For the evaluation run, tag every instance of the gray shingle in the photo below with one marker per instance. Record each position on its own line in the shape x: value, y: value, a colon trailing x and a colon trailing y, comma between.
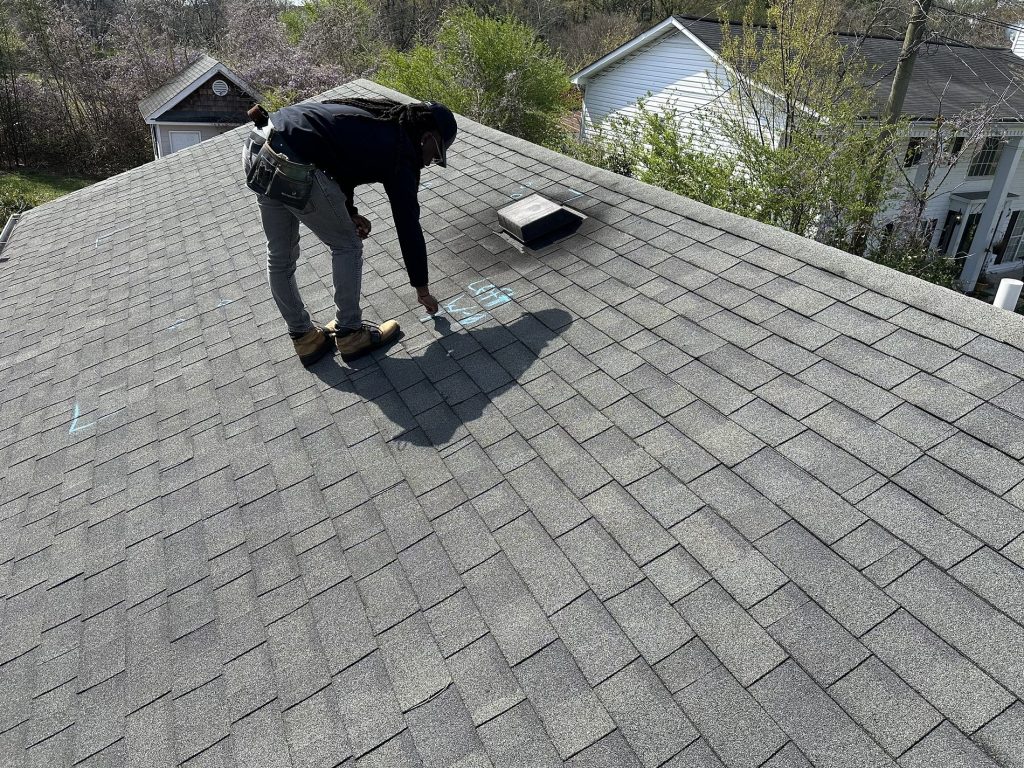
x: 767, y: 422
x: 742, y: 645
x: 865, y: 545
x: 550, y: 576
x: 826, y: 461
x: 983, y: 634
x: 645, y: 713
x: 675, y: 574
x: 853, y: 322
x: 599, y: 559
x: 822, y: 730
x: 986, y: 466
x: 654, y: 626
x: 734, y: 724
x: 629, y: 524
x: 857, y: 393
x: 1003, y: 737
x: 995, y: 578
x: 997, y: 427
x: 938, y: 397
x: 946, y: 747
x: 920, y: 428
x: 778, y: 604
x: 665, y: 497
x: 867, y: 362
x: 735, y: 564
x: 455, y: 622
x: 570, y: 711
x: 677, y: 453
x: 517, y: 738
x: 466, y: 539
x: 686, y: 665
x: 850, y: 598
x: 573, y: 465
x: 444, y: 733
x: 744, y: 508
x: 594, y: 639
x: 610, y: 752
x: 819, y: 644
x: 971, y: 507
x: 510, y: 611
x: 413, y: 661
x: 919, y: 525
x: 712, y: 387
x: 484, y: 680
x: 976, y: 377
x: 719, y: 435
x: 933, y: 327
x: 874, y: 445
x: 893, y: 713
x: 371, y: 711
x: 810, y: 502
x: 553, y: 504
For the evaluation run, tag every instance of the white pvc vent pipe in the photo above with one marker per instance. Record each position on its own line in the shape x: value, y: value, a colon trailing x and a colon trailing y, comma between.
x: 1008, y: 294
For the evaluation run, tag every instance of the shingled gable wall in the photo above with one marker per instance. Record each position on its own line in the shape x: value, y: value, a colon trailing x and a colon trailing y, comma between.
x: 204, y: 106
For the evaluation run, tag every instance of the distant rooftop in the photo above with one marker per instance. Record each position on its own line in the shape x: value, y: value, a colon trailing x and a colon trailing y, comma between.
x: 679, y: 490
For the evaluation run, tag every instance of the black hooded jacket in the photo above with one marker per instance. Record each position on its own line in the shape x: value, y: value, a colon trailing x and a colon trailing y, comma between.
x: 353, y: 148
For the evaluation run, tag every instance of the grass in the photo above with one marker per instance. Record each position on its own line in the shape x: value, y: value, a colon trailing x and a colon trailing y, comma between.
x: 21, y: 191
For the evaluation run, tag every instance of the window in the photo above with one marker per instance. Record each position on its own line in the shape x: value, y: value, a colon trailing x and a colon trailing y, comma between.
x: 915, y: 149
x: 958, y: 147
x: 1014, y: 247
x: 986, y: 158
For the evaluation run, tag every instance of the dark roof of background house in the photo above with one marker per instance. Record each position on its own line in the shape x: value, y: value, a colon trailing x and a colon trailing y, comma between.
x: 702, y: 493
x: 177, y: 84
x: 948, y: 78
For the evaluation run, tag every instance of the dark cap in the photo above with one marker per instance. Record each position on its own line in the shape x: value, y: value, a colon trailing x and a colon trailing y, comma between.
x: 446, y: 126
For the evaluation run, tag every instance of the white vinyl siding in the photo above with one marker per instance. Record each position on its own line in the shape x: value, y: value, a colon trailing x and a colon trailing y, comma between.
x: 673, y: 69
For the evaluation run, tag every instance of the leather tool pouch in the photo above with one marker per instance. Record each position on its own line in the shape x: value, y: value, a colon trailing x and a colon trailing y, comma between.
x: 275, y: 176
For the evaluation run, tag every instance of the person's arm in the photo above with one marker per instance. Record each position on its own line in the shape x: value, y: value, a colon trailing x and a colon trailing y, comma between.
x: 402, y: 191
x: 350, y: 198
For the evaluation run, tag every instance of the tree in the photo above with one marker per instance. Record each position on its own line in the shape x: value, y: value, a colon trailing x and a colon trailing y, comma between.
x: 495, y: 71
x: 795, y: 115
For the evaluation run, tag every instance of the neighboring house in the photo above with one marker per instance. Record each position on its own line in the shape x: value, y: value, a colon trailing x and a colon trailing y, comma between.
x: 975, y: 213
x: 701, y: 493
x: 204, y: 100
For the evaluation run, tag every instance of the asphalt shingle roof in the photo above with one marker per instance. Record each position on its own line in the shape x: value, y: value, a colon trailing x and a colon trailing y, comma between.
x: 176, y: 84
x: 680, y: 490
x: 948, y: 78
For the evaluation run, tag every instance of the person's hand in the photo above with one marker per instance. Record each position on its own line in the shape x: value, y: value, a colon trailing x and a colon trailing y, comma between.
x: 363, y: 226
x: 423, y: 297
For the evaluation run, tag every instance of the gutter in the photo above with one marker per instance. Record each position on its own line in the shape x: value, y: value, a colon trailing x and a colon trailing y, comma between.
x: 6, y: 234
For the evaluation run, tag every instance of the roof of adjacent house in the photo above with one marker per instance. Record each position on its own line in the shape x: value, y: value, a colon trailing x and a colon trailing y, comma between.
x: 180, y: 82
x: 678, y: 490
x: 948, y: 77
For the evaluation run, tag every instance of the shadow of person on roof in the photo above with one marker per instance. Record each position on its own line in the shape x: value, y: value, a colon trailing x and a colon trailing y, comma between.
x: 450, y: 382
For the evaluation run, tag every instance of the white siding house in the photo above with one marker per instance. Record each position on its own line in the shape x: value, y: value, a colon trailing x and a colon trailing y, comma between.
x: 976, y: 213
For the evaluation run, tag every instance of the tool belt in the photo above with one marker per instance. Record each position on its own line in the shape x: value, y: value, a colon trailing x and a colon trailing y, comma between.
x: 274, y: 175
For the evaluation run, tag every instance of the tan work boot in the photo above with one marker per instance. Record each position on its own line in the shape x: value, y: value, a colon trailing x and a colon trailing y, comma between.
x: 353, y: 343
x: 311, y: 346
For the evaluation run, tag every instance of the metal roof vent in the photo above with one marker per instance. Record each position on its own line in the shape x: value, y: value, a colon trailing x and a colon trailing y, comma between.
x: 535, y: 217
x: 220, y: 88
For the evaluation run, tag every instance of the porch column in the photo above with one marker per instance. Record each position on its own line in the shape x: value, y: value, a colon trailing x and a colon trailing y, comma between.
x: 1005, y: 171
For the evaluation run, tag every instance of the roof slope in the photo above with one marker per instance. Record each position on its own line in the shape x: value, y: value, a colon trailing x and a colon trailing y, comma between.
x: 176, y: 84
x: 700, y: 493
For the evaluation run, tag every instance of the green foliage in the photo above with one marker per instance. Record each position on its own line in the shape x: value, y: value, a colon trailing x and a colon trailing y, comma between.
x: 493, y: 70
x: 655, y: 147
x: 22, y: 191
x: 920, y: 262
x: 794, y: 114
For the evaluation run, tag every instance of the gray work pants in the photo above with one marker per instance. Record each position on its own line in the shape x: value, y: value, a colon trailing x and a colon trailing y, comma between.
x: 327, y: 217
